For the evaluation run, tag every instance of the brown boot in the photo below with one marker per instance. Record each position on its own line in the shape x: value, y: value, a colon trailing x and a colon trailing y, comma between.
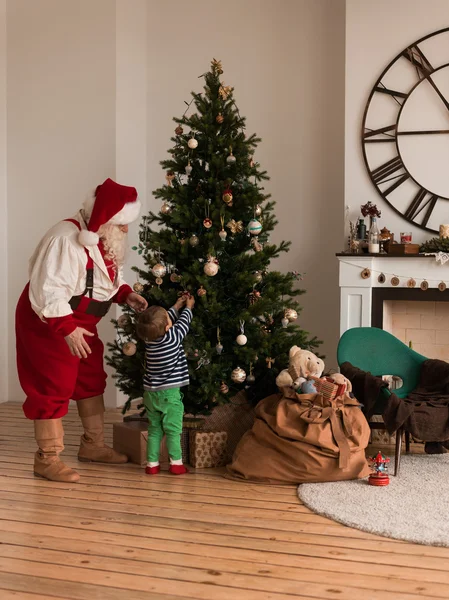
x: 93, y: 448
x: 49, y: 435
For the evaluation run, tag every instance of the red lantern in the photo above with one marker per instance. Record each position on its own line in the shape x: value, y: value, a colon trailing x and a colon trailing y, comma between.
x: 379, y: 476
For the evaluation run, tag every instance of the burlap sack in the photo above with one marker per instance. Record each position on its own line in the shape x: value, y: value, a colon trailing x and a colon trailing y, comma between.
x: 300, y: 438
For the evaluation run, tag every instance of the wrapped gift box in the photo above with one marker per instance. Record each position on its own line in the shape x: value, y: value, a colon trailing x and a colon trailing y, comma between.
x: 208, y: 449
x: 328, y: 388
x: 130, y: 438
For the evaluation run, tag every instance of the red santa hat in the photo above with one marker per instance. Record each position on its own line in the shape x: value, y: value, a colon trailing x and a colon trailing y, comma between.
x: 112, y: 204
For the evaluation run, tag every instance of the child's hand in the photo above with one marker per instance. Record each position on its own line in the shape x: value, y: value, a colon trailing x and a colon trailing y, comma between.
x: 190, y: 302
x: 180, y: 302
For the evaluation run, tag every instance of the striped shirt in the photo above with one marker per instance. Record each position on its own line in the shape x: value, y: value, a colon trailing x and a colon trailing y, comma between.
x: 165, y: 359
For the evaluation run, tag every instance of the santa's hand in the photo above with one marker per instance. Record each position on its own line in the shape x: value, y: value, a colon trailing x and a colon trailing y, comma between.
x: 136, y: 302
x: 77, y: 344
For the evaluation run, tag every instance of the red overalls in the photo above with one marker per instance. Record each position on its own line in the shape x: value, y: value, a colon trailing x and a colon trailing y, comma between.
x: 49, y: 374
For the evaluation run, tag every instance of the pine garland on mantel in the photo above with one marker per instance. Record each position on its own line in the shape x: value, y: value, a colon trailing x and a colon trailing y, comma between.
x: 435, y: 244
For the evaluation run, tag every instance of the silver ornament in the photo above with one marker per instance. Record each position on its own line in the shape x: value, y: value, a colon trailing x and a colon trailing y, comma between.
x: 219, y: 348
x: 291, y: 314
x: 238, y: 375
x: 123, y: 321
x: 189, y: 169
x: 250, y: 379
x: 257, y: 276
x: 231, y: 160
x: 159, y: 270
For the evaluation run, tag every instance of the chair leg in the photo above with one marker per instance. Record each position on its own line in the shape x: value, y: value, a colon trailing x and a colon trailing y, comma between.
x: 407, y: 441
x: 397, y: 455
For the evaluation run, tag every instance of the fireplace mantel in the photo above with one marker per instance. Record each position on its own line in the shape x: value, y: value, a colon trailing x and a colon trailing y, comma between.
x: 358, y: 295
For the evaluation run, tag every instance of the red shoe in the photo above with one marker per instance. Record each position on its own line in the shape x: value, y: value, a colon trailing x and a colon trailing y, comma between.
x: 178, y: 469
x: 153, y: 470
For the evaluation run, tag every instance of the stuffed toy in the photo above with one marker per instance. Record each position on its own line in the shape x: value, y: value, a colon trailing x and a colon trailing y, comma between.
x: 340, y: 379
x: 302, y: 365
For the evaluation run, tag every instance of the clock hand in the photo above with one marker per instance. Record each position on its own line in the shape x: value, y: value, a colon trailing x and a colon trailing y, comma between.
x: 423, y: 132
x: 432, y: 83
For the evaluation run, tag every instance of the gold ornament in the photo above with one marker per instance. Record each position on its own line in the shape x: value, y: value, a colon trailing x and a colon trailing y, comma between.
x: 442, y: 286
x: 257, y: 276
x: 254, y: 296
x: 424, y: 285
x: 201, y: 292
x: 159, y: 270
x: 258, y: 210
x: 159, y: 281
x: 381, y: 278
x: 211, y: 267
x: 216, y: 67
x: 238, y: 375
x: 194, y: 240
x: 290, y: 314
x: 219, y: 118
x: 224, y: 388
x: 225, y: 91
x: 179, y: 130
x: 365, y: 274
x: 269, y: 361
x: 166, y: 209
x: 251, y: 162
x: 235, y: 226
x: 395, y: 281
x: 129, y: 348
x: 256, y: 244
x: 175, y: 277
x: 138, y: 287
x: 411, y: 283
x: 228, y: 197
x: 123, y: 321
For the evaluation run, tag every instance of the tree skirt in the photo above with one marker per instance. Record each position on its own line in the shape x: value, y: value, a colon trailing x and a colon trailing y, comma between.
x: 414, y: 507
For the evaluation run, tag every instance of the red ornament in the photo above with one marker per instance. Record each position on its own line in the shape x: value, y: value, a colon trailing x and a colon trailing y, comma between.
x: 179, y: 130
x: 379, y: 476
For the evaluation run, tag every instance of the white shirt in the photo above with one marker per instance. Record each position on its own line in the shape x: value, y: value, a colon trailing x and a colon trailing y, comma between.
x: 57, y: 271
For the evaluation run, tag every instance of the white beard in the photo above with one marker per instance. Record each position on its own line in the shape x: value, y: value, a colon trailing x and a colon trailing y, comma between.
x: 114, y: 242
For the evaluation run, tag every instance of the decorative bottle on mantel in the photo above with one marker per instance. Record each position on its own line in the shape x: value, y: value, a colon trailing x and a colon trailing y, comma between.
x: 373, y: 238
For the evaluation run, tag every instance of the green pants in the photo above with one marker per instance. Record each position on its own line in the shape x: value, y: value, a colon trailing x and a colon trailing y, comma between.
x: 165, y: 412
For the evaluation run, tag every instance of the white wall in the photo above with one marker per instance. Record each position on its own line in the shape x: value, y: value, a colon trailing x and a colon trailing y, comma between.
x: 286, y: 62
x: 61, y: 122
x: 375, y: 33
x: 5, y: 346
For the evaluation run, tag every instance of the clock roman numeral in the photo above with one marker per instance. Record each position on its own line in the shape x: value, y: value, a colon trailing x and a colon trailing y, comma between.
x: 384, y: 134
x: 393, y: 93
x: 419, y: 61
x: 393, y: 169
x: 419, y: 203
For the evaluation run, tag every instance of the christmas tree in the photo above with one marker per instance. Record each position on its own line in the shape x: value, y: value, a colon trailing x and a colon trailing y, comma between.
x: 211, y: 239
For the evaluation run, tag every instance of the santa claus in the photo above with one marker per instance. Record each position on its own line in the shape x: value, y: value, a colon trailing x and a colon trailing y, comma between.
x: 75, y: 275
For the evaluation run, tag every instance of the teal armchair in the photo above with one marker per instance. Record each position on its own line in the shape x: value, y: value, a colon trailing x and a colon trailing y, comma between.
x: 380, y: 353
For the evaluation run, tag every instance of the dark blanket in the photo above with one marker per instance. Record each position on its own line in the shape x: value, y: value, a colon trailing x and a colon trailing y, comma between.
x: 424, y: 413
x: 366, y: 388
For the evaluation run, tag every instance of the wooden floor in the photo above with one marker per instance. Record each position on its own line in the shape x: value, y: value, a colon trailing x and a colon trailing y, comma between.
x: 121, y: 535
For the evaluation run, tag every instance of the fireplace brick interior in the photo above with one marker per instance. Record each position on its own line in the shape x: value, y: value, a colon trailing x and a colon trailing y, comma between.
x: 424, y: 323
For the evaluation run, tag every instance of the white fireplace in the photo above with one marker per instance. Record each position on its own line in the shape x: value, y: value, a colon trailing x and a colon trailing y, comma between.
x: 369, y: 298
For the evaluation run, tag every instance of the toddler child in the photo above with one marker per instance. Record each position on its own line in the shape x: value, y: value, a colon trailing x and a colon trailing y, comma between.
x: 165, y: 373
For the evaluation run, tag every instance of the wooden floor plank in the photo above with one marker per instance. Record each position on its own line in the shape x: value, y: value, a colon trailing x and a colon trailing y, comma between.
x: 120, y: 535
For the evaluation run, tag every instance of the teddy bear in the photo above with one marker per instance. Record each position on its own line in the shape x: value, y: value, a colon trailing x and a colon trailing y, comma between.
x: 302, y: 365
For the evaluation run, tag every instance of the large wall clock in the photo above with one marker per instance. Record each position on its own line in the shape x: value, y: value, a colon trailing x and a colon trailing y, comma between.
x: 405, y: 132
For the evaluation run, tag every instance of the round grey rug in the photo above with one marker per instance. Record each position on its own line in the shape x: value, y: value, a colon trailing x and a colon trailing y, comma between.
x: 414, y: 507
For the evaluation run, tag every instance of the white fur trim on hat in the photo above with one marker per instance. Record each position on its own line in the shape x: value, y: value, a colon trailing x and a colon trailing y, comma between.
x: 128, y: 214
x: 88, y: 238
